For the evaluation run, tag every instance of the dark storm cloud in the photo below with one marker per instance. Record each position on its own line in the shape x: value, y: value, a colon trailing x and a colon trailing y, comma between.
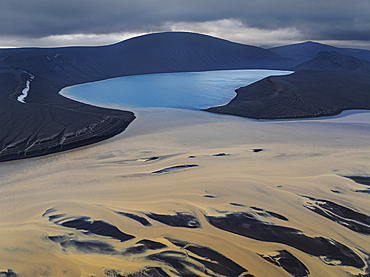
x: 313, y: 19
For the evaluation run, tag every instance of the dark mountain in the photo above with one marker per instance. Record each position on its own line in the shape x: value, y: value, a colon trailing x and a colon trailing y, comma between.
x: 325, y: 85
x: 305, y: 93
x: 363, y: 54
x: 305, y: 51
x: 48, y: 122
x: 153, y: 53
x: 334, y: 61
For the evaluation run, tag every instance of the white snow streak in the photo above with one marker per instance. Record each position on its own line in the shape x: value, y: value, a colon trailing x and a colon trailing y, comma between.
x: 21, y: 98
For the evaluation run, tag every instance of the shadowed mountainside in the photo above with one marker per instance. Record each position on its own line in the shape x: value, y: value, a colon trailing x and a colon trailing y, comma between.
x: 305, y: 51
x: 154, y: 53
x: 334, y: 61
x: 42, y: 121
x: 323, y: 86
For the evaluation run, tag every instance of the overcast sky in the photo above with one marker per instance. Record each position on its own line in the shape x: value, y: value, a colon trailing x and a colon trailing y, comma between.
x: 255, y: 22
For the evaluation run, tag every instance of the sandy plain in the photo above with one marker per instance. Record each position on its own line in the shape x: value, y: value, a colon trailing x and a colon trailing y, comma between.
x: 269, y: 171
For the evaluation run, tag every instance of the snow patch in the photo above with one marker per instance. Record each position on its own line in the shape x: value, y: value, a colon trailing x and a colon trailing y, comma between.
x: 21, y: 98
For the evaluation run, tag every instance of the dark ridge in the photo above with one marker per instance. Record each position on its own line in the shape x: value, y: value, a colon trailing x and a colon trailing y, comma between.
x: 148, y: 271
x: 262, y: 212
x: 144, y: 245
x: 178, y: 260
x: 97, y: 227
x: 9, y: 273
x: 152, y: 159
x: 334, y: 61
x: 174, y: 168
x: 178, y: 220
x: 219, y: 263
x: 247, y: 225
x: 209, y: 196
x: 288, y: 262
x: 276, y: 215
x: 191, y: 157
x: 48, y: 211
x: 210, y: 258
x: 138, y: 218
x: 189, y: 265
x: 335, y: 191
x: 344, y: 216
x: 303, y: 94
x: 238, y: 205
x: 363, y: 190
x: 221, y: 155
x: 112, y: 273
x: 53, y: 217
x: 360, y: 179
x: 99, y: 247
x: 257, y: 209
x: 305, y: 51
x: 134, y: 250
x: 178, y: 243
x: 153, y: 245
x: 209, y: 254
x: 256, y: 150
x: 91, y: 246
x: 58, y: 239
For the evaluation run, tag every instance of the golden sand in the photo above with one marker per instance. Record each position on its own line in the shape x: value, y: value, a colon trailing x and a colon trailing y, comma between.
x: 299, y: 158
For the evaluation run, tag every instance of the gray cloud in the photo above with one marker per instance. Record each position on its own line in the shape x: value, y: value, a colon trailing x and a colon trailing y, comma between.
x: 310, y: 19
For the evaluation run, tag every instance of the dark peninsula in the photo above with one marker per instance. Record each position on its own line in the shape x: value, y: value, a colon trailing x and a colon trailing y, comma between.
x: 324, y: 86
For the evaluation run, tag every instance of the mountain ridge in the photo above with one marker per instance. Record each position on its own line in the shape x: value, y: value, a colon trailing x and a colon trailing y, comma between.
x: 302, y: 52
x: 323, y: 86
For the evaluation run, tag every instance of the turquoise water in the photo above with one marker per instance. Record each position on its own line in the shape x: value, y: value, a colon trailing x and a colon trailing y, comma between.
x: 186, y: 90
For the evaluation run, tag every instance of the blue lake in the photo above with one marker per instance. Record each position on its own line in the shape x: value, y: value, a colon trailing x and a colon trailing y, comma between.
x: 186, y: 90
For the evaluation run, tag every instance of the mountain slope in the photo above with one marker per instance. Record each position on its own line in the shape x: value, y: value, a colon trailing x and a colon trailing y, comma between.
x: 302, y: 52
x: 334, y: 61
x: 153, y: 53
x: 326, y: 85
x: 305, y: 93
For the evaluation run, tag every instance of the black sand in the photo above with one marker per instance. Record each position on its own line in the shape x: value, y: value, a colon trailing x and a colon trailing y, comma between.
x: 247, y: 225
